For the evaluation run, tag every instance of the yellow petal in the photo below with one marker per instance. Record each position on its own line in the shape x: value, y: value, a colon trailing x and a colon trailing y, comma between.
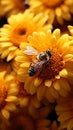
x: 5, y: 113
x: 48, y: 83
x: 37, y: 82
x: 11, y: 99
x: 26, y: 64
x: 68, y: 57
x: 63, y: 73
x: 56, y: 85
x: 10, y: 107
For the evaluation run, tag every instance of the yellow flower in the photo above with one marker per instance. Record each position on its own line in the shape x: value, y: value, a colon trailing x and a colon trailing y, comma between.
x: 23, y: 119
x: 64, y: 110
x: 8, y: 92
x: 14, y: 6
x: 30, y: 101
x: 57, y: 10
x: 17, y: 30
x: 27, y: 100
x: 52, y: 75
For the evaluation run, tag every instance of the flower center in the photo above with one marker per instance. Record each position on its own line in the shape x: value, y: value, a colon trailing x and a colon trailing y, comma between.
x: 54, y: 65
x: 3, y: 94
x: 18, y: 36
x: 52, y: 3
x: 21, y: 32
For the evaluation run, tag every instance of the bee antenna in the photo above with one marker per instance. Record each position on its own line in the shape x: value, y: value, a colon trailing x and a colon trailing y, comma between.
x: 48, y: 52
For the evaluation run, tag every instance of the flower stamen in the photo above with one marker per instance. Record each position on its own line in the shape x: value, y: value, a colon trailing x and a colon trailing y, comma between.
x: 53, y: 67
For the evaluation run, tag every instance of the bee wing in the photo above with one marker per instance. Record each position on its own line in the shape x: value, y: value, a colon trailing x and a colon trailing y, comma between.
x: 31, y: 51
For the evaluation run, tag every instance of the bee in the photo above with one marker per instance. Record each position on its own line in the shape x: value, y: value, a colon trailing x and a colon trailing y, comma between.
x: 40, y: 62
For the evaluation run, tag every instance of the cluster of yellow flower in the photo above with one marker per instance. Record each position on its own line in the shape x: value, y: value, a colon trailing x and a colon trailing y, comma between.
x: 36, y: 65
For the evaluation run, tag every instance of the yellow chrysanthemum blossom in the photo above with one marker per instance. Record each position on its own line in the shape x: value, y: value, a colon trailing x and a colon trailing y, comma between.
x: 30, y: 101
x: 8, y: 92
x: 64, y: 110
x: 23, y: 119
x: 17, y: 30
x: 27, y: 100
x: 50, y: 76
x: 11, y: 7
x: 57, y: 10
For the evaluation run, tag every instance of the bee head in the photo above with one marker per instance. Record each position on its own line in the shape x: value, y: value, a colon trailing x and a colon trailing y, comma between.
x: 43, y: 56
